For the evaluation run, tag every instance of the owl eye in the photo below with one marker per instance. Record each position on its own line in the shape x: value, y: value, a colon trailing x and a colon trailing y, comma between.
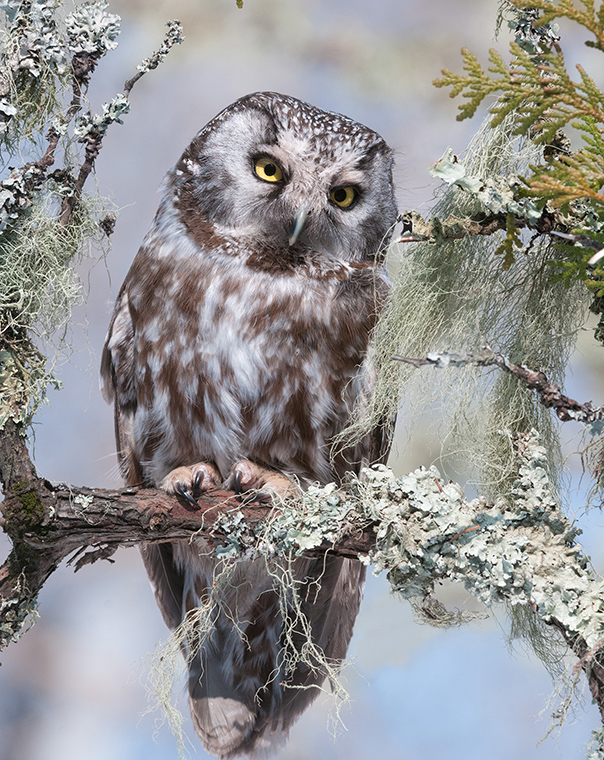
x: 268, y: 170
x: 343, y: 197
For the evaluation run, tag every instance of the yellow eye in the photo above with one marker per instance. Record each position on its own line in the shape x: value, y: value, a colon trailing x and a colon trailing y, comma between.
x: 343, y: 197
x: 268, y: 170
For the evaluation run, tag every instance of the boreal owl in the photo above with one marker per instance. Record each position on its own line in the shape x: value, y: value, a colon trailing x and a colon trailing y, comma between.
x: 238, y: 348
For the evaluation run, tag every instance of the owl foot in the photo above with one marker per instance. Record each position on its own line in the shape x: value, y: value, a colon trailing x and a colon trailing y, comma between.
x: 189, y: 482
x: 266, y: 484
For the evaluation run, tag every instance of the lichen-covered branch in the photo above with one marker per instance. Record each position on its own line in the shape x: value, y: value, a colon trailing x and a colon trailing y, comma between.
x: 550, y: 395
x: 91, y: 130
x: 520, y: 549
x: 49, y: 523
x: 45, y: 216
x: 500, y: 199
x: 173, y: 37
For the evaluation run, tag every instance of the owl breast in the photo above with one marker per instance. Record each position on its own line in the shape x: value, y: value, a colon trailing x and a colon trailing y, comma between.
x: 243, y: 331
x: 258, y: 372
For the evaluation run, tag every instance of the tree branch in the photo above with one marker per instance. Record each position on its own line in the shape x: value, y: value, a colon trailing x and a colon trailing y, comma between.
x: 416, y: 229
x: 550, y: 395
x: 47, y: 523
x: 93, y: 138
x: 418, y: 528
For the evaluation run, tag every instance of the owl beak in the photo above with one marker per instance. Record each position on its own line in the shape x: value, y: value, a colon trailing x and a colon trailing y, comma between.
x: 298, y: 224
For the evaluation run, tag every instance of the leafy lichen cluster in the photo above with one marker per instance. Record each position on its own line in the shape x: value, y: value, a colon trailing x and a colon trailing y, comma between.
x: 91, y: 30
x: 595, y: 749
x: 523, y: 554
x: 17, y: 618
x: 519, y: 548
x: 37, y: 59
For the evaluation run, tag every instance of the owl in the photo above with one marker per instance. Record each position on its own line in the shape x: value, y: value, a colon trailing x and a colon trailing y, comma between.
x: 239, y: 348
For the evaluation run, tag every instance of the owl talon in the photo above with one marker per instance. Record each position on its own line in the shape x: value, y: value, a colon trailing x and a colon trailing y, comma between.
x: 197, y: 481
x: 188, y: 482
x: 237, y: 483
x: 186, y: 494
x: 264, y: 484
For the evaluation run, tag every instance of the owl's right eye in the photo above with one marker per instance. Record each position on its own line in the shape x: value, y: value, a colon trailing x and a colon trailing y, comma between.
x: 268, y: 170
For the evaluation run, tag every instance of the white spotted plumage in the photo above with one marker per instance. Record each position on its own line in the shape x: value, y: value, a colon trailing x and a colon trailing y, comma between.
x: 230, y: 343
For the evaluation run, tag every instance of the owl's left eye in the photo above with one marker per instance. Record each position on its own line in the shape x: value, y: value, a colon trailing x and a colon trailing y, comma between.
x: 343, y: 197
x: 268, y: 170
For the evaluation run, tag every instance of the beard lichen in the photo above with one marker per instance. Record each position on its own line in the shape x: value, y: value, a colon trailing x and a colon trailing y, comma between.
x: 455, y: 295
x: 39, y: 286
x: 523, y: 555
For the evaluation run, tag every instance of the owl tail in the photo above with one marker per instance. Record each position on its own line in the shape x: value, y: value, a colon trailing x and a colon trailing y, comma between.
x: 277, y: 629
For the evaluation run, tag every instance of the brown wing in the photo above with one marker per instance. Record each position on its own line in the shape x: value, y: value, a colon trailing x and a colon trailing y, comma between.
x: 118, y: 385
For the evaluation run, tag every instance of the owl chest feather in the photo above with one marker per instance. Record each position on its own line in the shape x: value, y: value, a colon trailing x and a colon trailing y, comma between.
x: 243, y: 331
x: 234, y: 362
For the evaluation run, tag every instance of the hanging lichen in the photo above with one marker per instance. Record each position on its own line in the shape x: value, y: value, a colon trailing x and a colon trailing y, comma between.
x: 455, y: 294
x: 47, y: 223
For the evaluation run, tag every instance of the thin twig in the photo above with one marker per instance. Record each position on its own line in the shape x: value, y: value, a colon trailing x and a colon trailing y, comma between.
x: 550, y: 395
x: 94, y: 138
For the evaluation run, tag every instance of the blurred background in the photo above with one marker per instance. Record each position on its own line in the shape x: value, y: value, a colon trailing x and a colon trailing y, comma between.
x: 74, y: 685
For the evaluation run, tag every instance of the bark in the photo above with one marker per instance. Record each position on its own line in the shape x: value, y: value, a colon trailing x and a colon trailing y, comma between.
x: 590, y: 661
x: 48, y: 523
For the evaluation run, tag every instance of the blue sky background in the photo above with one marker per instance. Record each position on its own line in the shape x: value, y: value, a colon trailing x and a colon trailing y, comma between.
x: 73, y: 686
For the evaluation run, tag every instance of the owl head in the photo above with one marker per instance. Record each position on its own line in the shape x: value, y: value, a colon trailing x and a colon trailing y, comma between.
x: 275, y: 172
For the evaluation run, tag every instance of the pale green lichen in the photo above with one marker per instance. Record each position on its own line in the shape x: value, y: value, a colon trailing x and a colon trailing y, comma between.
x: 318, y: 518
x: 90, y: 29
x: 38, y: 39
x: 83, y: 501
x: 525, y: 555
x: 34, y: 70
x: 173, y: 37
x: 39, y: 285
x: 426, y: 531
x: 17, y: 614
x: 99, y: 123
x: 532, y: 37
x: 595, y: 748
x: 498, y: 194
x: 23, y: 382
